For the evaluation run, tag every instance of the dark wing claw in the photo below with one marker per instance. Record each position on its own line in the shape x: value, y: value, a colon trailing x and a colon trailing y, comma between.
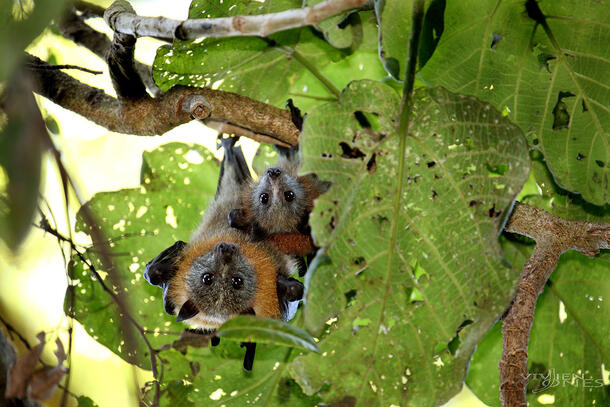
x: 233, y: 157
x: 249, y: 357
x: 295, y: 114
x: 160, y: 270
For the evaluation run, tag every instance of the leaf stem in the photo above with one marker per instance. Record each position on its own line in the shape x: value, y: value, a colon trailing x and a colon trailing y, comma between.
x: 313, y: 69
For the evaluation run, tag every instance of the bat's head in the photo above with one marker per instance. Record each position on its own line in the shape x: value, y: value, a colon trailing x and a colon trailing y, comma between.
x: 279, y: 201
x: 221, y: 283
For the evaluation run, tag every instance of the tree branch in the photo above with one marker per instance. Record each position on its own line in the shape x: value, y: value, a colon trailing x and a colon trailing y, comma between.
x: 553, y: 237
x: 73, y: 27
x: 148, y: 117
x: 262, y: 25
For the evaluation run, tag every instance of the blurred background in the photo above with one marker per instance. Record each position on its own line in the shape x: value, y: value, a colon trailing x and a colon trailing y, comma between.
x: 33, y: 280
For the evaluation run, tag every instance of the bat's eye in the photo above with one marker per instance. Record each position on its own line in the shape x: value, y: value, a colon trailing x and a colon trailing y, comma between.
x: 208, y: 278
x: 289, y: 196
x: 237, y: 282
x: 264, y: 198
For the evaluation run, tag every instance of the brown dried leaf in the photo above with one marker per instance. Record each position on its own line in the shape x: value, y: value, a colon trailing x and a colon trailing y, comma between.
x: 23, y: 369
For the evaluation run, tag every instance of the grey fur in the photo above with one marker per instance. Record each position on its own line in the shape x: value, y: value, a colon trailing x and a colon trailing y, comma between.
x: 220, y: 298
x: 278, y: 215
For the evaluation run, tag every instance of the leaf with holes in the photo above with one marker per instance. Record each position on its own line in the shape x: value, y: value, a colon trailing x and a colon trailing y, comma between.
x: 246, y: 328
x: 215, y: 377
x: 261, y: 68
x: 550, y: 77
x: 399, y: 314
x: 177, y: 182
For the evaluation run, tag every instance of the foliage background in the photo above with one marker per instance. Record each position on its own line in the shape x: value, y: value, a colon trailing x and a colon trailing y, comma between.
x: 546, y: 194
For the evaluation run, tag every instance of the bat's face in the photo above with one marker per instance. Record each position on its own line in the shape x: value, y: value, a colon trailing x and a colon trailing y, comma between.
x: 221, y: 283
x: 278, y: 202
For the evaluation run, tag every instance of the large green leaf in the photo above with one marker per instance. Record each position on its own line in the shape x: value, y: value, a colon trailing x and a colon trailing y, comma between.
x: 249, y: 328
x: 403, y: 327
x: 553, y: 83
x: 569, y: 338
x: 215, y: 377
x: 177, y: 182
x: 261, y: 68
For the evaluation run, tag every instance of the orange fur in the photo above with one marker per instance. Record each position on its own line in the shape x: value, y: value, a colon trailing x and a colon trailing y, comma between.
x: 265, y: 303
x: 293, y: 243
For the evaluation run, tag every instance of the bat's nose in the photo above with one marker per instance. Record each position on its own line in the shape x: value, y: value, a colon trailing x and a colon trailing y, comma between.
x: 273, y: 172
x: 226, y: 251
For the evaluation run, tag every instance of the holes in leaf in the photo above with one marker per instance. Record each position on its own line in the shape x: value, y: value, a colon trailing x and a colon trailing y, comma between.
x: 600, y: 163
x: 495, y: 39
x: 473, y: 203
x: 371, y: 166
x: 350, y: 297
x: 350, y: 152
x: 493, y: 213
x: 359, y: 261
x: 497, y: 170
x: 431, y: 164
x: 543, y: 57
x: 580, y: 156
x: 561, y: 116
x: 362, y: 120
x: 434, y: 194
x: 326, y: 155
x: 584, y: 106
x: 333, y: 222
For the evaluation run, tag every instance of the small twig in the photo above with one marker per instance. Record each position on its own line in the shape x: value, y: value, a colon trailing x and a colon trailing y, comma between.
x: 553, y: 237
x: 153, y: 353
x: 126, y: 22
x: 13, y: 331
x: 57, y: 67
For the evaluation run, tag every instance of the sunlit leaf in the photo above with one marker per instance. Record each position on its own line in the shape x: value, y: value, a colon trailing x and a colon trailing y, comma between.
x: 177, y: 182
x: 552, y: 83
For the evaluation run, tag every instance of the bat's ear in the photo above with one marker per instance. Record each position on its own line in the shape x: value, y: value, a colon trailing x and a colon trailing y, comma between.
x: 289, y: 289
x: 187, y: 311
x: 237, y: 219
x: 160, y: 270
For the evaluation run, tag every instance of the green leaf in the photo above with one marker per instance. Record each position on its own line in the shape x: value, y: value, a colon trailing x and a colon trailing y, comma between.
x: 261, y: 68
x: 341, y: 31
x: 551, y: 82
x: 84, y: 401
x: 246, y: 328
x: 447, y: 275
x: 178, y: 180
x: 215, y: 377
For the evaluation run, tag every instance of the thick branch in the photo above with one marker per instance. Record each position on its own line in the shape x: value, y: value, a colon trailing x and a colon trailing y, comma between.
x: 261, y: 25
x: 149, y: 117
x: 553, y: 237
